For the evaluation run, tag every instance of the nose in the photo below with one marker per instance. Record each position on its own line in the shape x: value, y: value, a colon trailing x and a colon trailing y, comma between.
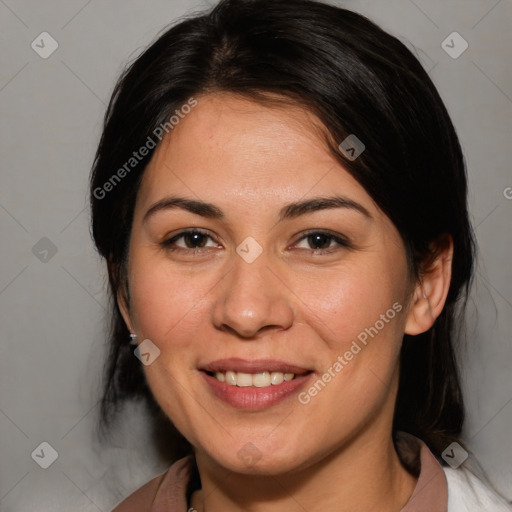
x: 252, y: 298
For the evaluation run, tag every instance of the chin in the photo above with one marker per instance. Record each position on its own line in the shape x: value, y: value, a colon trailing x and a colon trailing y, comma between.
x: 258, y: 458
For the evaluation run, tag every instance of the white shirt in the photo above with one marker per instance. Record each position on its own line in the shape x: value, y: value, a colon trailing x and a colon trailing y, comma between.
x: 467, y: 493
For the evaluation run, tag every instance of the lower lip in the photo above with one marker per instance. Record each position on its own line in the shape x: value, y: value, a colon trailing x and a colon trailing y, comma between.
x: 252, y: 398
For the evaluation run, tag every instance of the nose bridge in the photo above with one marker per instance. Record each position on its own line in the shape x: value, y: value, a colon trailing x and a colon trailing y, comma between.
x: 251, y: 297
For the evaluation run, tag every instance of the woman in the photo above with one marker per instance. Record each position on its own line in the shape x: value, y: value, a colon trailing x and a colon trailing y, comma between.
x: 280, y: 197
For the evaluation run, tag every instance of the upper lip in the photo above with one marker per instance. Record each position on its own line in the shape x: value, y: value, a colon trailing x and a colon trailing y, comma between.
x: 253, y: 366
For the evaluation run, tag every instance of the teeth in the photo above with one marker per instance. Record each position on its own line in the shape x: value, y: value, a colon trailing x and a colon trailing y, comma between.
x: 276, y: 378
x: 258, y: 380
x: 261, y: 380
x: 243, y: 379
x: 231, y: 378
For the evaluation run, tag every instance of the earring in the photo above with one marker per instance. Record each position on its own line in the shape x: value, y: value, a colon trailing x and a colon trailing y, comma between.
x: 133, y: 338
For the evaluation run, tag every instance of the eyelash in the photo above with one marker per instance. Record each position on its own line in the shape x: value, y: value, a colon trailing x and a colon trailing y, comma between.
x: 340, y: 240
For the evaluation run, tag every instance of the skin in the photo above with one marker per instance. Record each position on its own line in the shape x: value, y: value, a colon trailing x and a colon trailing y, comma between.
x: 249, y: 160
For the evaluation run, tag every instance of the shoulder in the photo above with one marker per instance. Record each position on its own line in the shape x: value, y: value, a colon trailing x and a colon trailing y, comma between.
x: 142, y: 499
x: 163, y: 492
x: 467, y: 493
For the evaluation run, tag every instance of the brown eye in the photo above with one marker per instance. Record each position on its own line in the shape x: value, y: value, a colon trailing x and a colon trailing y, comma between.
x: 321, y: 241
x: 192, y: 240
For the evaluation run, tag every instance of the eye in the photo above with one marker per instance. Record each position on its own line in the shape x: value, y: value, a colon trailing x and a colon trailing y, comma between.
x: 192, y: 240
x: 320, y: 241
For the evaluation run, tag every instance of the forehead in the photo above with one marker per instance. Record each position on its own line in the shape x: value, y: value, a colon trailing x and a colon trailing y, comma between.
x: 230, y: 148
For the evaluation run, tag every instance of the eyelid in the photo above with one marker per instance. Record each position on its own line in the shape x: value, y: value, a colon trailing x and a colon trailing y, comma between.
x: 341, y: 240
x: 172, y: 239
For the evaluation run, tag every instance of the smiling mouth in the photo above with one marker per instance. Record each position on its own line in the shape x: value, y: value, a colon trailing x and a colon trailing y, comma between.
x: 262, y: 373
x: 258, y: 380
x: 254, y: 384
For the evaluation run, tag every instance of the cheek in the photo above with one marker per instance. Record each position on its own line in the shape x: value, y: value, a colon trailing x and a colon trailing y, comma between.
x: 338, y: 304
x: 169, y: 308
x: 163, y: 301
x: 342, y: 303
x: 358, y: 316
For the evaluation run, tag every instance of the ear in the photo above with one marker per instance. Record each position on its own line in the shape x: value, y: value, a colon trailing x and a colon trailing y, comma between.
x: 429, y: 295
x: 122, y: 294
x: 122, y: 302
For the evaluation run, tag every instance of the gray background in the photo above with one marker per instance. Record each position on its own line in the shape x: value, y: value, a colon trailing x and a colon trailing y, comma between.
x: 53, y: 306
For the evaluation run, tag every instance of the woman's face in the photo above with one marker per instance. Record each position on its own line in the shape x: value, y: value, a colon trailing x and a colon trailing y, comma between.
x: 271, y: 279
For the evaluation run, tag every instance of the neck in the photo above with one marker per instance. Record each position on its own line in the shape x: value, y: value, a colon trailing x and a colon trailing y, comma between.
x: 366, y: 474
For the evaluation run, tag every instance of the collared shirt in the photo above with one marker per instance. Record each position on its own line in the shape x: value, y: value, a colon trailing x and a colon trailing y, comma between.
x: 168, y: 491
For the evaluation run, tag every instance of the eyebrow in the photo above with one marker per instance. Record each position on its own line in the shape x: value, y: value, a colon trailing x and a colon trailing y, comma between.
x: 289, y: 211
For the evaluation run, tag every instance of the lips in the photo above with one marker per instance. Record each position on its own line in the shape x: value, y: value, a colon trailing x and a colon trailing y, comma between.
x: 254, y: 366
x: 254, y: 385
